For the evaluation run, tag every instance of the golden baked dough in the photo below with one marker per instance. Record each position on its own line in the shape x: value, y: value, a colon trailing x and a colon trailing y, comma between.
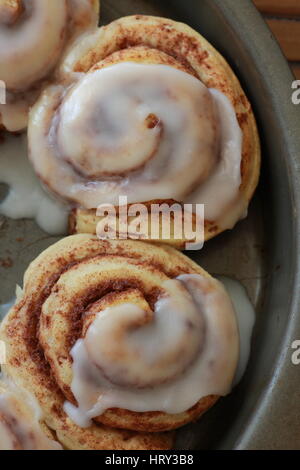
x: 87, y: 220
x: 26, y: 362
x: 34, y: 36
x: 142, y: 40
x: 63, y: 290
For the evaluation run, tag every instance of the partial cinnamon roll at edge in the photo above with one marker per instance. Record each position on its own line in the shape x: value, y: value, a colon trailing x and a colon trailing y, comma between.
x: 34, y: 35
x: 21, y: 424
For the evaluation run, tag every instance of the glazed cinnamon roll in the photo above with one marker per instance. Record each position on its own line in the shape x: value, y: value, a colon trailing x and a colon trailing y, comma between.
x: 120, y: 341
x: 34, y: 35
x: 147, y: 109
x: 21, y: 426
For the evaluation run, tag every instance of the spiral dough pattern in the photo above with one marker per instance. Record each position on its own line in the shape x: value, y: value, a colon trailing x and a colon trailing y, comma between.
x: 130, y: 289
x: 34, y: 35
x: 145, y: 108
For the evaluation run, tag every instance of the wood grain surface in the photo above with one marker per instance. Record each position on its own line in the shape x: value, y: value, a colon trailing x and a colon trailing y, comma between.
x: 279, y: 7
x: 283, y: 18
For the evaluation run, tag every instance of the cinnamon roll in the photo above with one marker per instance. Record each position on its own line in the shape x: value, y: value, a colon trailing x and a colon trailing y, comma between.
x: 120, y: 341
x: 34, y: 35
x: 146, y: 108
x: 21, y: 426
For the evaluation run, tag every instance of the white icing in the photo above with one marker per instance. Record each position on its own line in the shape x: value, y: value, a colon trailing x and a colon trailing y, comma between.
x: 103, y: 129
x: 185, y: 381
x: 222, y: 187
x: 29, y: 49
x: 245, y: 317
x: 127, y: 354
x: 32, y: 47
x: 19, y: 293
x: 26, y: 198
x: 101, y: 132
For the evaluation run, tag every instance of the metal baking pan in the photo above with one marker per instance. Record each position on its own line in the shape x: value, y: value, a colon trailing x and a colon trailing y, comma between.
x: 262, y: 252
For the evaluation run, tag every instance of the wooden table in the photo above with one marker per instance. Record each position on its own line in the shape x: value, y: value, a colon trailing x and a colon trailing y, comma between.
x: 283, y: 17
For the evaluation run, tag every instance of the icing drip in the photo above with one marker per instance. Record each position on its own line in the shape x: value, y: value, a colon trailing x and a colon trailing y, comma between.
x: 142, y: 131
x: 26, y: 198
x: 221, y: 190
x: 186, y: 351
x: 245, y: 318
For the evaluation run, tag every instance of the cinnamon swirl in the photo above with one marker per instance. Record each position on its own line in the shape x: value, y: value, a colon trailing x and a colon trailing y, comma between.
x: 34, y: 35
x: 146, y: 108
x: 117, y: 339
